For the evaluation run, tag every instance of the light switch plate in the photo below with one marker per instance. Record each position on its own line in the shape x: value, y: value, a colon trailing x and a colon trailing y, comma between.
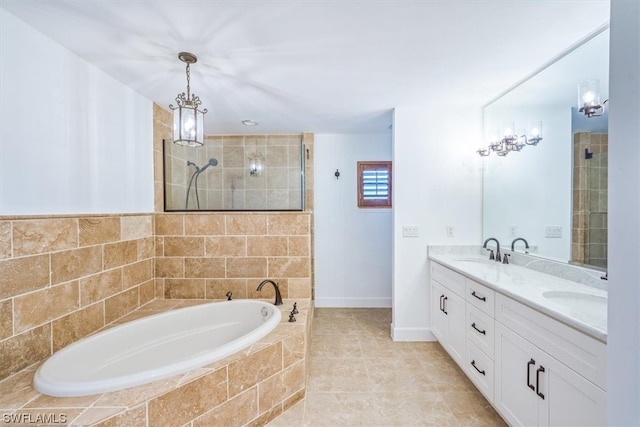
x: 451, y: 231
x: 553, y: 231
x: 410, y: 231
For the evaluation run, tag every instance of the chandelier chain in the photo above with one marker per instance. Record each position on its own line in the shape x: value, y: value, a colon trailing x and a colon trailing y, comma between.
x: 188, y: 81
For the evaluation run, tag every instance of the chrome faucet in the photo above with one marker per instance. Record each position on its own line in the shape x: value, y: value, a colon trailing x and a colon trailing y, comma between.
x: 498, y: 258
x: 526, y: 244
x: 275, y: 286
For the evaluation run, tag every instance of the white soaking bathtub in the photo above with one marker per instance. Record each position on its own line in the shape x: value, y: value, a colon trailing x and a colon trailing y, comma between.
x: 155, y: 347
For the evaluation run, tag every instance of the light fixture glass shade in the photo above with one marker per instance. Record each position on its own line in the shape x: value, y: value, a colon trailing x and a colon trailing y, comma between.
x: 589, y: 94
x: 188, y: 125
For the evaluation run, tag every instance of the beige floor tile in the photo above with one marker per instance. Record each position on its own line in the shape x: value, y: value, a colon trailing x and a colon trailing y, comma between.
x: 358, y: 376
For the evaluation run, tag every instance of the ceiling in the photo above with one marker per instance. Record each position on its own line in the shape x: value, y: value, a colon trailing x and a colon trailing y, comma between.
x: 332, y: 66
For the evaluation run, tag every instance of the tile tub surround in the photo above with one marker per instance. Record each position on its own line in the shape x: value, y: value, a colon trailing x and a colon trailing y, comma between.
x: 64, y: 277
x: 250, y: 387
x: 205, y: 255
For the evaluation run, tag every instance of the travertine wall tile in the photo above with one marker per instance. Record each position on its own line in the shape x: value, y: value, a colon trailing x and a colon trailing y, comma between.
x: 136, y: 227
x: 137, y: 273
x: 169, y: 224
x: 233, y: 246
x: 299, y: 245
x: 21, y: 275
x: 289, y: 267
x: 6, y: 319
x: 299, y: 288
x: 96, y: 230
x: 146, y: 248
x: 189, y: 401
x: 120, y: 304
x: 184, y: 246
x: 75, y: 263
x: 35, y: 308
x: 246, y: 224
x: 136, y: 417
x: 280, y: 386
x: 184, y: 288
x: 169, y: 267
x: 254, y: 368
x: 204, y: 224
x: 147, y: 291
x: 100, y: 286
x: 267, y: 246
x: 293, y: 349
x: 246, y: 267
x: 218, y: 288
x: 46, y: 235
x: 204, y: 268
x: 76, y: 325
x: 25, y: 349
x: 287, y: 224
x: 119, y: 254
x: 5, y: 239
x: 236, y: 412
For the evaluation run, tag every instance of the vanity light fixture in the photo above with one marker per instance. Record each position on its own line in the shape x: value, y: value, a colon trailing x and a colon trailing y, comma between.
x: 188, y: 118
x: 511, y: 141
x: 589, y: 98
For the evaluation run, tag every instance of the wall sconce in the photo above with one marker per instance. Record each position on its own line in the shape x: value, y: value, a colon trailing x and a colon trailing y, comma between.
x: 511, y: 141
x: 256, y: 164
x: 188, y: 119
x: 589, y: 98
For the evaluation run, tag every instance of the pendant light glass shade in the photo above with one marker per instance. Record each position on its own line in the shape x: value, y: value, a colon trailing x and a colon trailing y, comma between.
x: 188, y: 119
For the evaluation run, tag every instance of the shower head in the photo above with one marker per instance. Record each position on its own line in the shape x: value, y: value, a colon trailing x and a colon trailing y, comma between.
x: 211, y: 162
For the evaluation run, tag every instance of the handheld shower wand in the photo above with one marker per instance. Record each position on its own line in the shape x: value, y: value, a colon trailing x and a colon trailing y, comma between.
x: 196, y: 174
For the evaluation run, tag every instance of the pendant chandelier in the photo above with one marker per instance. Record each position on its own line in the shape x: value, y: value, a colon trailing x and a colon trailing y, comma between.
x: 188, y: 119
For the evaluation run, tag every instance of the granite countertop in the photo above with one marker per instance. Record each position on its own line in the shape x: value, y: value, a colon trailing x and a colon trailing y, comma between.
x: 574, y: 304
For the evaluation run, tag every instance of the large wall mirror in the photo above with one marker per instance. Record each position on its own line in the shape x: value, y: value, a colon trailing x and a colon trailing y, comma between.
x: 553, y: 194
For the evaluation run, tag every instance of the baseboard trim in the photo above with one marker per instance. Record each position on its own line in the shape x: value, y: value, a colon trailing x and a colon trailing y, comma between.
x: 352, y: 302
x: 412, y: 334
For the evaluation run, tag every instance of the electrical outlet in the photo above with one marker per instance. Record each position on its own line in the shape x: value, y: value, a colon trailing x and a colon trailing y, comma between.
x: 410, y: 231
x: 553, y: 231
x: 513, y: 231
x: 451, y: 231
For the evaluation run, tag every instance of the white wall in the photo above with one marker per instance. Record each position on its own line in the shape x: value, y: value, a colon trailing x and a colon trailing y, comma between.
x: 352, y: 245
x: 72, y: 139
x: 531, y: 189
x: 623, y: 343
x: 437, y: 182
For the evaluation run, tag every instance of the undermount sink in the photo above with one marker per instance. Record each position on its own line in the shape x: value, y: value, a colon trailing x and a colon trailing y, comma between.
x: 577, y: 300
x: 478, y: 260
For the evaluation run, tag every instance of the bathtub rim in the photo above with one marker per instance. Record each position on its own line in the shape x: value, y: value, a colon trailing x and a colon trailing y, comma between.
x: 48, y: 384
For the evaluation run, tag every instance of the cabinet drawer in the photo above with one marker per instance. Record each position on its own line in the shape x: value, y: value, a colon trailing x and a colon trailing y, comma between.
x: 480, y: 330
x: 583, y: 354
x: 479, y: 368
x: 449, y: 278
x: 480, y: 296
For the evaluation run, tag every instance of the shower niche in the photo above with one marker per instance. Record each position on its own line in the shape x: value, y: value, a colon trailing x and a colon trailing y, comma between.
x: 235, y: 173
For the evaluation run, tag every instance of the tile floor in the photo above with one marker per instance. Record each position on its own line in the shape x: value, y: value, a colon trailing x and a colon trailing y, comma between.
x: 359, y: 377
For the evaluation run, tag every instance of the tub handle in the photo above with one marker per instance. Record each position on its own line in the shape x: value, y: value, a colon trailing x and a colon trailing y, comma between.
x: 229, y: 295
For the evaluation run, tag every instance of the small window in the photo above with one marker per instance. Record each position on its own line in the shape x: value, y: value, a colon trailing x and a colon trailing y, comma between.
x: 374, y: 184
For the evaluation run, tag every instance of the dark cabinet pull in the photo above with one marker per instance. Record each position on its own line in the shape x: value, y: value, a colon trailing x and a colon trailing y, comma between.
x: 529, y: 364
x: 483, y: 332
x: 540, y: 369
x: 473, y: 363
x: 444, y: 305
x: 473, y: 293
x: 441, y: 303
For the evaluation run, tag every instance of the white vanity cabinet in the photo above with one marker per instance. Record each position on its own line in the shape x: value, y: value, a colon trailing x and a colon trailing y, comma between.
x: 448, y: 311
x: 546, y: 372
x: 534, y: 369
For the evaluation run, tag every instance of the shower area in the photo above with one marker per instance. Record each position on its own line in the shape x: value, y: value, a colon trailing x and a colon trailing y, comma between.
x: 590, y: 168
x: 236, y: 173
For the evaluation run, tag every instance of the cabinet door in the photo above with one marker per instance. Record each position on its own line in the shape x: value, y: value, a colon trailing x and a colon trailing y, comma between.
x: 515, y: 370
x: 438, y: 318
x: 456, y: 334
x: 571, y: 400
